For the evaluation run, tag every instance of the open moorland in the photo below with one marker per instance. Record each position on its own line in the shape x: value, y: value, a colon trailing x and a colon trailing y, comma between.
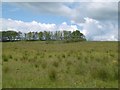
x: 42, y: 64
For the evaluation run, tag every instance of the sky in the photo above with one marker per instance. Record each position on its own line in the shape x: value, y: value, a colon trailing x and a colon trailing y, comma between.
x: 98, y: 21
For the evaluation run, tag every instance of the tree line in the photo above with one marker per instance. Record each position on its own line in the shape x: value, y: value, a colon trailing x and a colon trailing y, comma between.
x: 43, y: 36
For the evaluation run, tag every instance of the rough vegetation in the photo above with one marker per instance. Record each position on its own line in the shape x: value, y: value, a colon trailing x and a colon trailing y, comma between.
x: 56, y: 64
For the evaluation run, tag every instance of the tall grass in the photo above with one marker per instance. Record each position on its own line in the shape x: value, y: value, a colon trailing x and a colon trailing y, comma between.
x: 80, y: 64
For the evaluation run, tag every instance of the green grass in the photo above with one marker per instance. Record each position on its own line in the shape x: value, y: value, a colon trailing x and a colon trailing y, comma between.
x: 0, y: 65
x: 57, y: 64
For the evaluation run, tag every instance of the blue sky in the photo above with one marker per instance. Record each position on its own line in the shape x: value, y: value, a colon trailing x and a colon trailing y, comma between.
x: 14, y: 12
x: 96, y: 20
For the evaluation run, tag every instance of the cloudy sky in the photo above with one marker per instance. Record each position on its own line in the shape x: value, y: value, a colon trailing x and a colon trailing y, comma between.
x: 98, y: 21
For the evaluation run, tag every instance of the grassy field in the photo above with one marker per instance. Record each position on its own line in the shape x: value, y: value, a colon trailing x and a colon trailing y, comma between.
x: 55, y: 64
x: 0, y: 65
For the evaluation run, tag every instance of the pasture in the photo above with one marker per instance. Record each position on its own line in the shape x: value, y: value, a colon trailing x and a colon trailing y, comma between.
x: 41, y: 64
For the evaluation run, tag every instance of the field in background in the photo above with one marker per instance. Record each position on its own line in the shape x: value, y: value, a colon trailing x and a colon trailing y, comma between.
x: 56, y: 64
x: 0, y: 65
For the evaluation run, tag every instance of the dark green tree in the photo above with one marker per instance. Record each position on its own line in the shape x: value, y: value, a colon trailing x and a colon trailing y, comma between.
x: 67, y: 35
x: 40, y: 34
x: 47, y: 35
x: 11, y: 35
x: 30, y: 35
x: 77, y: 36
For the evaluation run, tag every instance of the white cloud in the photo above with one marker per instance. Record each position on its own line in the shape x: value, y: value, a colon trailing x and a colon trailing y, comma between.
x: 9, y: 24
x: 65, y: 26
x: 102, y: 11
x: 0, y: 23
x: 98, y: 31
x: 26, y: 26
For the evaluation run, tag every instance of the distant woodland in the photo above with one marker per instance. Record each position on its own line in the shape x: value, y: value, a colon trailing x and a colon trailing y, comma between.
x: 6, y: 36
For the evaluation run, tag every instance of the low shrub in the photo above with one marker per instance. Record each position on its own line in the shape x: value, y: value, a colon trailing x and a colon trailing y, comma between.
x: 78, y: 57
x: 36, y: 65
x: 53, y: 74
x: 55, y: 63
x: 6, y: 69
x: 5, y: 58
x: 63, y: 55
x: 44, y: 64
x: 10, y: 56
x: 50, y: 56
